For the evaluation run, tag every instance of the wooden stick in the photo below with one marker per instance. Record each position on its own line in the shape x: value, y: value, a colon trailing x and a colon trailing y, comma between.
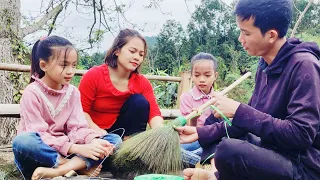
x: 80, y: 72
x: 223, y: 92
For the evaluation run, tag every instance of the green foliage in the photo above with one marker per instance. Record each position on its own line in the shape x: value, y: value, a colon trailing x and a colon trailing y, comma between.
x: 87, y: 61
x: 19, y: 81
x: 167, y: 51
x: 97, y: 36
x: 311, y: 20
x: 20, y: 51
x: 151, y: 41
x: 212, y: 29
x: 165, y: 92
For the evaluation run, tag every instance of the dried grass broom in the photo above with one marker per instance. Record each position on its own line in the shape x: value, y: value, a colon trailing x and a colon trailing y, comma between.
x: 157, y: 150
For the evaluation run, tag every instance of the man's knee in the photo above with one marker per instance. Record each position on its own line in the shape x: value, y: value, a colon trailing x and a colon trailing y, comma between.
x: 229, y: 150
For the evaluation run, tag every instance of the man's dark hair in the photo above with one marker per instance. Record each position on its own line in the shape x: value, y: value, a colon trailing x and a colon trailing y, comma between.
x: 267, y: 14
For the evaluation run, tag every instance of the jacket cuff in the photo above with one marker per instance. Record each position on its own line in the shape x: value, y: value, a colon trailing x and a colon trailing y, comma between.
x: 65, y: 148
x: 202, y: 135
x: 90, y: 137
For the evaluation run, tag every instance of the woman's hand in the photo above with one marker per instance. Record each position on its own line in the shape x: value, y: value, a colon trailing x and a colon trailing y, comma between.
x: 155, y: 122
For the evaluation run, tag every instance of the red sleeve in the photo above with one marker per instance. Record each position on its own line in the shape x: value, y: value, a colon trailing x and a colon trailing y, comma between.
x: 147, y: 92
x: 88, y: 88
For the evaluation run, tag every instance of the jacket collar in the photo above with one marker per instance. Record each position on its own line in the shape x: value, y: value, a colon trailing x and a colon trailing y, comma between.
x: 198, y: 94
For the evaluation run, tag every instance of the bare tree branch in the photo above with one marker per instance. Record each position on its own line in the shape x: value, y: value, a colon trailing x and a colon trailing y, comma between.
x: 51, y: 27
x: 300, y: 18
x: 185, y: 1
x: 294, y: 5
x: 94, y: 21
x: 118, y: 9
x: 38, y: 25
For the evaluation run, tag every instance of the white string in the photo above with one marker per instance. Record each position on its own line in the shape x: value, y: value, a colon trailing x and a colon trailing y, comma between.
x: 123, y: 130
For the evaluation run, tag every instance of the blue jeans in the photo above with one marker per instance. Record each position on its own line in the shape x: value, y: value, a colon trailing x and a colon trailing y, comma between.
x: 31, y: 152
x: 191, y: 153
x: 193, y: 147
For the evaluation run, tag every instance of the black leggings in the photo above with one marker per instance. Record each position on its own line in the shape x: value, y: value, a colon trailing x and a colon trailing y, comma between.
x: 134, y: 116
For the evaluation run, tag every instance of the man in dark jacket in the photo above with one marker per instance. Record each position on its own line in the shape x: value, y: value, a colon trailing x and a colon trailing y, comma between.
x: 275, y: 136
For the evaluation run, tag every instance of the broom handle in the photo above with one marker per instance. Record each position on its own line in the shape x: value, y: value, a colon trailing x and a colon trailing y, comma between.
x: 223, y: 92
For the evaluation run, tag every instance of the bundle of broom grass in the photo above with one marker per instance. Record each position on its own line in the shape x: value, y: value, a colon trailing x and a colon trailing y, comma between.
x: 158, y: 150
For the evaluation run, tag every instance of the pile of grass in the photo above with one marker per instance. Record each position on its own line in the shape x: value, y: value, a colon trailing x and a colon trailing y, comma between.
x: 165, y: 159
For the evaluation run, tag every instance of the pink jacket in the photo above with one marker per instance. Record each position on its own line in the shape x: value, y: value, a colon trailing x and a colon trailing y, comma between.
x: 193, y: 99
x: 56, y: 115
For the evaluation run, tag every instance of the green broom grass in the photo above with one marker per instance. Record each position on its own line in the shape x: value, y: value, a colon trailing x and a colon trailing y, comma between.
x: 157, y: 150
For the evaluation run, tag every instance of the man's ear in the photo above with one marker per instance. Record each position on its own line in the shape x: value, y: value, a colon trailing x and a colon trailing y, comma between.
x: 273, y: 35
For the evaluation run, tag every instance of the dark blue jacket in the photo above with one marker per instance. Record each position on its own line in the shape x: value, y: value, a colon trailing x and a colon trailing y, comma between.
x: 284, y: 110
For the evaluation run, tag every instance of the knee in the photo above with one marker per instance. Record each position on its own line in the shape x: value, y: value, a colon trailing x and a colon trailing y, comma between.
x: 139, y: 101
x: 114, y: 139
x: 229, y: 150
x: 25, y: 141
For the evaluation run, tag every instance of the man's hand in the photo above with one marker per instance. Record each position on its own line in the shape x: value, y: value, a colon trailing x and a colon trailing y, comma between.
x: 187, y: 134
x: 226, y: 105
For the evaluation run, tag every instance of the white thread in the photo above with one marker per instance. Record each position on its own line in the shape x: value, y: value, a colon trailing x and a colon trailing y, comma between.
x: 110, y: 151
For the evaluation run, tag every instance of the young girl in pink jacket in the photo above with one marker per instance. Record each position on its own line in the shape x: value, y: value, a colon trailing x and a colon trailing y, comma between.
x: 53, y: 135
x: 204, y: 74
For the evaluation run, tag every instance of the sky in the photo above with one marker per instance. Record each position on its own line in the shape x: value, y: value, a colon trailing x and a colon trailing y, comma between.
x: 75, y: 26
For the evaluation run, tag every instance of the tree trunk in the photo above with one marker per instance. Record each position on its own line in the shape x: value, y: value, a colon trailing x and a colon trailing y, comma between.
x: 9, y: 29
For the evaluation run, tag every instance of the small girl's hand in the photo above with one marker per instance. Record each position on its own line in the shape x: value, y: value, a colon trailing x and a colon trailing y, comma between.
x: 102, y: 132
x: 107, y: 147
x: 91, y: 151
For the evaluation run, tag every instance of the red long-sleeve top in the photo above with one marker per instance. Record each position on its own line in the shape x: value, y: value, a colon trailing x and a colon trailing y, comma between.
x: 102, y: 101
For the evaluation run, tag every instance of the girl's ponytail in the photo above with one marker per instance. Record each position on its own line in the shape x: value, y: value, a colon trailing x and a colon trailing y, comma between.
x: 35, y: 62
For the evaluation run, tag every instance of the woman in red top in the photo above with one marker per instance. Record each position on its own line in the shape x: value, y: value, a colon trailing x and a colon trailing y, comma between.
x: 114, y: 95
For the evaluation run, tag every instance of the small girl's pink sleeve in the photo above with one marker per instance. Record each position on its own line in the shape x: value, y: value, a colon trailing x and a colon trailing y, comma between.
x: 32, y: 121
x: 185, y: 104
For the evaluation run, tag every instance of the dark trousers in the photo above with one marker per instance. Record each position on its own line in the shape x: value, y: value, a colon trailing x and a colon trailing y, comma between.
x: 134, y: 116
x: 245, y: 158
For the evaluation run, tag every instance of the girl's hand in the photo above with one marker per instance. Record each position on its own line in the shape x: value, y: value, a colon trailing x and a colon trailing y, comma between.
x: 105, y: 145
x: 102, y: 132
x: 91, y: 151
x: 187, y: 134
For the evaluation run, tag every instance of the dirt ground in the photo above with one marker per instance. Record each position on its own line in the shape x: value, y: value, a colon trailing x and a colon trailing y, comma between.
x: 8, y: 170
x: 6, y: 157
